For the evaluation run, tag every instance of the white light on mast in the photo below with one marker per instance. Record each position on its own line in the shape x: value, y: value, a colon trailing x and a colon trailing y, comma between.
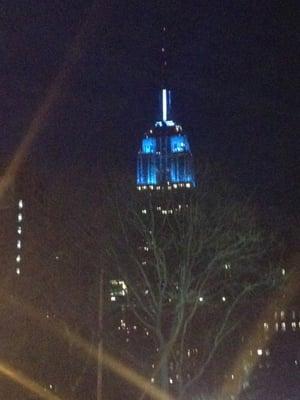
x: 164, y: 105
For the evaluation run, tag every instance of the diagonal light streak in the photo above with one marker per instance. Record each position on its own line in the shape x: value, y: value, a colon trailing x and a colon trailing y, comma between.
x: 111, y: 363
x: 256, y: 339
x: 24, y: 381
x: 52, y: 96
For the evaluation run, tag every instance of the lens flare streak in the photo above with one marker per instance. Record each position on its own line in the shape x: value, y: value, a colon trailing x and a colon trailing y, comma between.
x: 24, y: 381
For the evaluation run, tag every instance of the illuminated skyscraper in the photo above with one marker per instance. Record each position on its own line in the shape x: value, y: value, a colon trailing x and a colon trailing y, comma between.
x: 165, y: 159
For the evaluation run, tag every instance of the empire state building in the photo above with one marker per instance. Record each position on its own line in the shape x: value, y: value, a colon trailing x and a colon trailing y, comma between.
x: 165, y: 160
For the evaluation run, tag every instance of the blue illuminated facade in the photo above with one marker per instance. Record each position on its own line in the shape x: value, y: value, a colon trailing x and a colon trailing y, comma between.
x: 165, y: 159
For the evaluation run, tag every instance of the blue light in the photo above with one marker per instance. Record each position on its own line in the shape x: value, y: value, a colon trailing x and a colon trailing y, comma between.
x: 179, y: 144
x: 149, y: 145
x: 146, y: 169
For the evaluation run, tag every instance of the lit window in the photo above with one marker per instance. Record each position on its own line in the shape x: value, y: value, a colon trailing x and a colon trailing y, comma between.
x: 283, y: 326
x: 283, y: 271
x: 149, y: 145
x: 259, y: 352
x: 18, y: 244
x: 179, y: 143
x: 201, y: 299
x: 20, y: 217
x: 18, y: 271
x: 282, y: 315
x: 118, y: 289
x: 152, y: 380
x: 266, y: 326
x: 223, y: 298
x: 294, y: 326
x: 227, y: 266
x: 19, y: 230
x: 171, y: 381
x: 188, y: 185
x: 18, y: 258
x: 144, y: 211
x: 20, y: 203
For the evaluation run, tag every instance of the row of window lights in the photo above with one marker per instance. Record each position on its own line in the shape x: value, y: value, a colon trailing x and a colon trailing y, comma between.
x: 201, y: 299
x: 283, y: 315
x: 165, y: 212
x: 170, y: 186
x: 170, y: 380
x: 283, y: 326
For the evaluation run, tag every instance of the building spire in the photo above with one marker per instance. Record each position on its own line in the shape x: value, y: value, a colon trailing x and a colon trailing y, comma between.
x: 165, y: 92
x: 164, y: 61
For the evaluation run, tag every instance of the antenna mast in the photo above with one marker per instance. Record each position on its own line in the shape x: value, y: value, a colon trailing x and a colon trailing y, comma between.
x: 166, y: 93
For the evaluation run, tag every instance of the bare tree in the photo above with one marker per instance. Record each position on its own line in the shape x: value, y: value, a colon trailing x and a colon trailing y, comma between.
x: 192, y: 262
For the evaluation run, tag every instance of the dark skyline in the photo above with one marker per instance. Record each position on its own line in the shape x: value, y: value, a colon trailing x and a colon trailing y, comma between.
x: 233, y: 70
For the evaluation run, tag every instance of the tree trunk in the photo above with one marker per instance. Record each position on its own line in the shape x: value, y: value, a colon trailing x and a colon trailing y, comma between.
x: 164, y: 368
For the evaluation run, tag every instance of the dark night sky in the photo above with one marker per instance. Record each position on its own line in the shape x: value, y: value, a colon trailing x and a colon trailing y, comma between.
x: 233, y: 69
